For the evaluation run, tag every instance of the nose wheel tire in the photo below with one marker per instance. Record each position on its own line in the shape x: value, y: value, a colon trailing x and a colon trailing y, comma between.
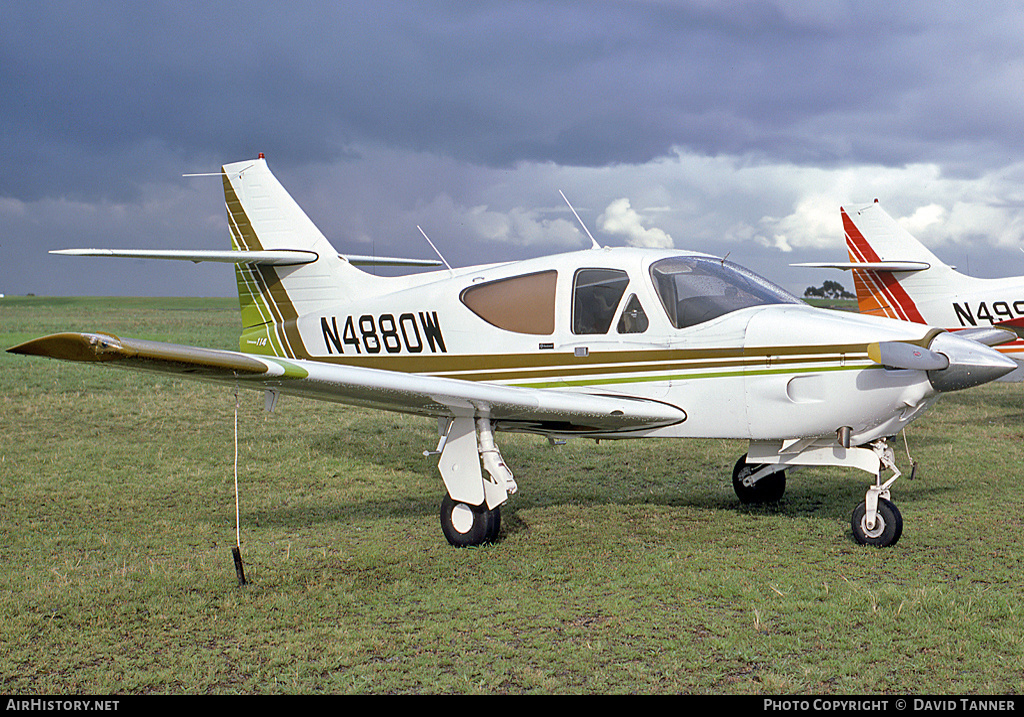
x: 887, y: 528
x: 467, y: 525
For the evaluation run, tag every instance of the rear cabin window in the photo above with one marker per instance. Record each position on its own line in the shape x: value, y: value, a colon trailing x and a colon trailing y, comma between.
x: 524, y: 304
x: 595, y: 296
x: 696, y: 289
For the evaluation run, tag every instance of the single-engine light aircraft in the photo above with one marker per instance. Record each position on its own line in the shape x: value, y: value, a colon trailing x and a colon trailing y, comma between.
x: 605, y: 343
x: 895, y: 275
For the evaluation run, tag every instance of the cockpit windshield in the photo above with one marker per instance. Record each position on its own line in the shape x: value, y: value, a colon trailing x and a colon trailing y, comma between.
x: 695, y: 289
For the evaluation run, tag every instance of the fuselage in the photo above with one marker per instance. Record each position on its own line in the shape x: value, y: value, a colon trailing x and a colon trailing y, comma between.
x: 741, y: 357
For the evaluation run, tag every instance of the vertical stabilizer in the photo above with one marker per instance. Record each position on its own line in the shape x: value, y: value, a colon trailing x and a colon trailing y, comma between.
x: 877, y: 245
x: 263, y: 216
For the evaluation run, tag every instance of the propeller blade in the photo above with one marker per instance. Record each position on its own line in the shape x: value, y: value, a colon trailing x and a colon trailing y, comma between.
x: 991, y: 335
x: 1014, y: 325
x: 897, y: 354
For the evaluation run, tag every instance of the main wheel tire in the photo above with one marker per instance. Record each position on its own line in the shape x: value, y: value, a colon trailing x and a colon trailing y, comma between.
x: 769, y: 489
x: 467, y: 525
x: 888, y: 525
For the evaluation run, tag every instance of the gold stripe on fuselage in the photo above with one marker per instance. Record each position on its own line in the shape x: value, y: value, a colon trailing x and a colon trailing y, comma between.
x: 617, y: 366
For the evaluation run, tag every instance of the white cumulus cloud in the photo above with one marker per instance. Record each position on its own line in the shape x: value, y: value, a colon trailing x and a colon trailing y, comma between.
x: 620, y: 219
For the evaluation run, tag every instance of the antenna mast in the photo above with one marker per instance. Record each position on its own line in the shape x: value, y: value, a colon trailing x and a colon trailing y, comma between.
x: 434, y: 248
x: 593, y: 242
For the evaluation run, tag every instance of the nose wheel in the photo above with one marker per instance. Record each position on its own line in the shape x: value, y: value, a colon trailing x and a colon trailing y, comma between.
x: 884, y: 531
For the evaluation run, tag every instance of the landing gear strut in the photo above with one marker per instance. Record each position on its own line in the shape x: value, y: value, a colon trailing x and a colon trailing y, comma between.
x: 470, y: 513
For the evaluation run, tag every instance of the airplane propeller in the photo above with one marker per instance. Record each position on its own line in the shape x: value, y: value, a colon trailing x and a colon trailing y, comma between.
x: 953, y: 363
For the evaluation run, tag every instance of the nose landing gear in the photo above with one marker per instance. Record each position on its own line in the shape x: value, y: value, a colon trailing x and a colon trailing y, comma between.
x: 760, y: 476
x: 877, y: 521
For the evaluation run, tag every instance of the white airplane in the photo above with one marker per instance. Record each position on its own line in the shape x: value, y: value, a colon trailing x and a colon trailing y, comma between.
x: 896, y: 276
x: 605, y: 343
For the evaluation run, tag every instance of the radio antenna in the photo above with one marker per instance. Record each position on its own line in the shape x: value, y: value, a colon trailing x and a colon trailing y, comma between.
x: 434, y: 248
x: 593, y: 242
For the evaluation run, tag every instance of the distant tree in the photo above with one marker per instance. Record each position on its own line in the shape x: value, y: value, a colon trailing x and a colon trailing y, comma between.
x: 828, y: 290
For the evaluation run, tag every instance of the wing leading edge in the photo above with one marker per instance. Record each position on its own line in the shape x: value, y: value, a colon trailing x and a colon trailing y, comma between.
x: 544, y: 411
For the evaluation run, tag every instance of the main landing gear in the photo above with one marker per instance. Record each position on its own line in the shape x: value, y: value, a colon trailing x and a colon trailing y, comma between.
x: 758, y: 482
x: 760, y: 477
x: 470, y: 511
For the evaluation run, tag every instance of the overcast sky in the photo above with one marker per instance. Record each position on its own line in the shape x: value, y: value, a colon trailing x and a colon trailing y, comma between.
x: 717, y: 125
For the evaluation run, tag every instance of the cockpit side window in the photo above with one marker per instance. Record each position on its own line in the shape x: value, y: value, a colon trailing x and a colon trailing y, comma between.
x: 696, y: 289
x: 524, y: 304
x: 595, y: 296
x: 634, y: 318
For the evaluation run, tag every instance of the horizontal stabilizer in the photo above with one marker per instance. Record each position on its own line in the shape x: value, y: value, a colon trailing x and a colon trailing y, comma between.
x: 870, y: 265
x: 274, y: 257
x: 357, y: 260
x: 270, y: 257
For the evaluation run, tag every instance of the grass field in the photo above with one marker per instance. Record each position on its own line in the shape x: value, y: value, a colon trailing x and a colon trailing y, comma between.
x: 623, y: 567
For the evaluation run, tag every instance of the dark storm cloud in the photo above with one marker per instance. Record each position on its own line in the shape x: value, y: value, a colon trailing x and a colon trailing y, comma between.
x: 374, y: 111
x: 94, y: 90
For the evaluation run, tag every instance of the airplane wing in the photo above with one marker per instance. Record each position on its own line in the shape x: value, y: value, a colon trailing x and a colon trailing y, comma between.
x: 534, y: 410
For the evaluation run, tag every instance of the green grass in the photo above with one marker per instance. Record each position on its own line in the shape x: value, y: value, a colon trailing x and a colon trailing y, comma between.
x: 622, y: 567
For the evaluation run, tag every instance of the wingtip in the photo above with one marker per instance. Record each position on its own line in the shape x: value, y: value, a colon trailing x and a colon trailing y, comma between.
x: 69, y: 347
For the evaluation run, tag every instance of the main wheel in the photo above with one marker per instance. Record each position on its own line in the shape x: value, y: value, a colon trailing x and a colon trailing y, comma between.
x: 888, y: 525
x: 768, y: 489
x: 466, y: 525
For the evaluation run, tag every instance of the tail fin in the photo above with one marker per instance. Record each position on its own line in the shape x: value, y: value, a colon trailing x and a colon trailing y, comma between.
x: 263, y: 217
x: 284, y: 266
x: 889, y: 265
